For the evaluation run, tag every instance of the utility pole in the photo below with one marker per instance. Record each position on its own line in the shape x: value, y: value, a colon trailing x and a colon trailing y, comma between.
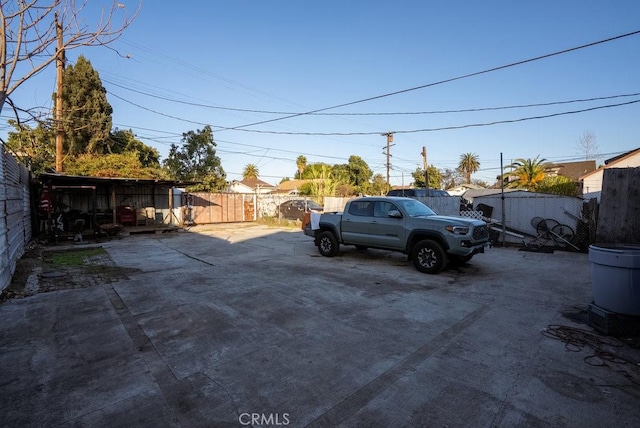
x: 59, y: 70
x: 426, y: 171
x: 389, y: 136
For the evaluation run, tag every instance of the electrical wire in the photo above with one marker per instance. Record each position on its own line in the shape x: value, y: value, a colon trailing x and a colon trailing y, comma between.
x: 157, y: 112
x: 445, y: 128
x: 453, y: 79
x: 410, y: 113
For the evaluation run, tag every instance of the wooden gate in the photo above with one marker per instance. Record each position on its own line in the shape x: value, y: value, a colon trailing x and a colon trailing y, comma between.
x: 222, y: 207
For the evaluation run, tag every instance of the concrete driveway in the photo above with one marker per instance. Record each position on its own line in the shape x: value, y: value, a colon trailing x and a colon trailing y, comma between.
x: 245, y: 325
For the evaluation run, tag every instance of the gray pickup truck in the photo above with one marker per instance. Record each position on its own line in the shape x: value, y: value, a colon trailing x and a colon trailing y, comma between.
x: 401, y: 224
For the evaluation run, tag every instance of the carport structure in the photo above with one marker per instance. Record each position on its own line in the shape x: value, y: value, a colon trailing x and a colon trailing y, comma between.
x: 83, y: 204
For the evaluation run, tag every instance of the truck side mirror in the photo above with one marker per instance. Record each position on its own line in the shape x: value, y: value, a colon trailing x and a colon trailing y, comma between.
x: 394, y: 214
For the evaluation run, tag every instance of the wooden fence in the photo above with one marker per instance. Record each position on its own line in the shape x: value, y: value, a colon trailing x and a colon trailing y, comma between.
x: 209, y: 208
x: 619, y: 215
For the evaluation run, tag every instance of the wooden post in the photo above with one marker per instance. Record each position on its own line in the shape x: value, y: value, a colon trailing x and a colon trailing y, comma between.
x: 59, y: 74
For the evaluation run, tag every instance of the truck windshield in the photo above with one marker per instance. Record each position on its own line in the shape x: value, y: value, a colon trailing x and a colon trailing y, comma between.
x: 416, y: 208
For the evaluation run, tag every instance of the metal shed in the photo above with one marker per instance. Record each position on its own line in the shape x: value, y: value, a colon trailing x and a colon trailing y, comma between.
x: 67, y: 204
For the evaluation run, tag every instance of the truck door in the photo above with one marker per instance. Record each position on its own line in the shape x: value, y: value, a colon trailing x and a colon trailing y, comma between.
x: 387, y: 231
x: 356, y: 222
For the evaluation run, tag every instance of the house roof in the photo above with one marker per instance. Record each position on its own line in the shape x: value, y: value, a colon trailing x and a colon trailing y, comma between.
x: 475, y: 193
x: 609, y: 163
x: 289, y: 185
x: 621, y: 157
x: 254, y: 182
x: 574, y: 170
x: 468, y: 186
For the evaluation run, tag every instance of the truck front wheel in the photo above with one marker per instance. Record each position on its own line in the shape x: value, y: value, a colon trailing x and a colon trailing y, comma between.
x: 328, y: 244
x: 429, y: 256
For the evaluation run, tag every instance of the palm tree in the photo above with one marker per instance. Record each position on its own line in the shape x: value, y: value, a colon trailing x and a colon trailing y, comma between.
x: 250, y: 171
x: 301, y: 163
x: 528, y: 173
x: 469, y: 164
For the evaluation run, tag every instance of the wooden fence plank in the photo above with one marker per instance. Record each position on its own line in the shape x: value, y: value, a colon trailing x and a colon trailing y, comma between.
x: 619, y: 214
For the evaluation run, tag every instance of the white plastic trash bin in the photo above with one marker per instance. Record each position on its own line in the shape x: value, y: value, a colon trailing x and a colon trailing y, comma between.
x: 615, y: 277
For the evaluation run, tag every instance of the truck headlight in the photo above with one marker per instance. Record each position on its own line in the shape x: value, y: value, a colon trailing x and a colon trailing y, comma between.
x: 458, y: 230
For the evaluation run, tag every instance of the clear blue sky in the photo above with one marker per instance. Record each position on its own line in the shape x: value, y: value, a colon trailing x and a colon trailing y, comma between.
x: 298, y: 56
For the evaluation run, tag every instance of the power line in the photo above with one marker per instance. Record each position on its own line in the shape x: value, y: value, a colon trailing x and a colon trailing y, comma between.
x: 445, y: 128
x: 410, y: 113
x: 471, y: 110
x: 218, y: 128
x: 564, y: 51
x: 157, y: 112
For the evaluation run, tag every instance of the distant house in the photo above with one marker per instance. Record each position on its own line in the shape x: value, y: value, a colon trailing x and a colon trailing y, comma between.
x: 471, y: 194
x: 592, y: 181
x: 250, y: 185
x: 573, y: 170
x: 291, y: 187
x: 461, y: 188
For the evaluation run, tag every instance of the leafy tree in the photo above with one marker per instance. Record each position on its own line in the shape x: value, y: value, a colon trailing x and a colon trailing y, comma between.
x: 354, y: 175
x: 28, y: 40
x: 35, y: 148
x: 378, y: 185
x: 301, y: 163
x: 527, y: 173
x: 314, y: 169
x: 469, y: 164
x: 558, y: 185
x: 344, y: 190
x: 196, y: 160
x: 125, y: 164
x: 359, y: 171
x: 435, y: 178
x: 123, y: 141
x: 340, y: 173
x: 322, y: 184
x: 250, y: 171
x: 86, y: 112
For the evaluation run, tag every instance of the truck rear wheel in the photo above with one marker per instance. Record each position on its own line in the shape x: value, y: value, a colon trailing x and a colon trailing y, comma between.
x: 328, y: 244
x: 429, y: 256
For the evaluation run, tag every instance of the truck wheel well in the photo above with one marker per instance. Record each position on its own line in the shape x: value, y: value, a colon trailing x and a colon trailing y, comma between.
x: 417, y: 238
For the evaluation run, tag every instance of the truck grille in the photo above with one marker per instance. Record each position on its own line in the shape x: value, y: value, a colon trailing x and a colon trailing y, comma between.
x: 480, y: 233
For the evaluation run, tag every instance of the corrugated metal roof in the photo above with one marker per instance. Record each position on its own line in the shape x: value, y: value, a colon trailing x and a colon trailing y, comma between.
x: 62, y: 179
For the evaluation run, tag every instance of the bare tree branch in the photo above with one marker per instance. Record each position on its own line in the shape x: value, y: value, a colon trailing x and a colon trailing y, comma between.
x: 28, y: 35
x: 587, y: 145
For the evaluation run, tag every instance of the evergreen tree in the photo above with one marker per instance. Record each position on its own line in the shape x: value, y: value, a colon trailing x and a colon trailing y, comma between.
x: 123, y: 141
x: 86, y: 112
